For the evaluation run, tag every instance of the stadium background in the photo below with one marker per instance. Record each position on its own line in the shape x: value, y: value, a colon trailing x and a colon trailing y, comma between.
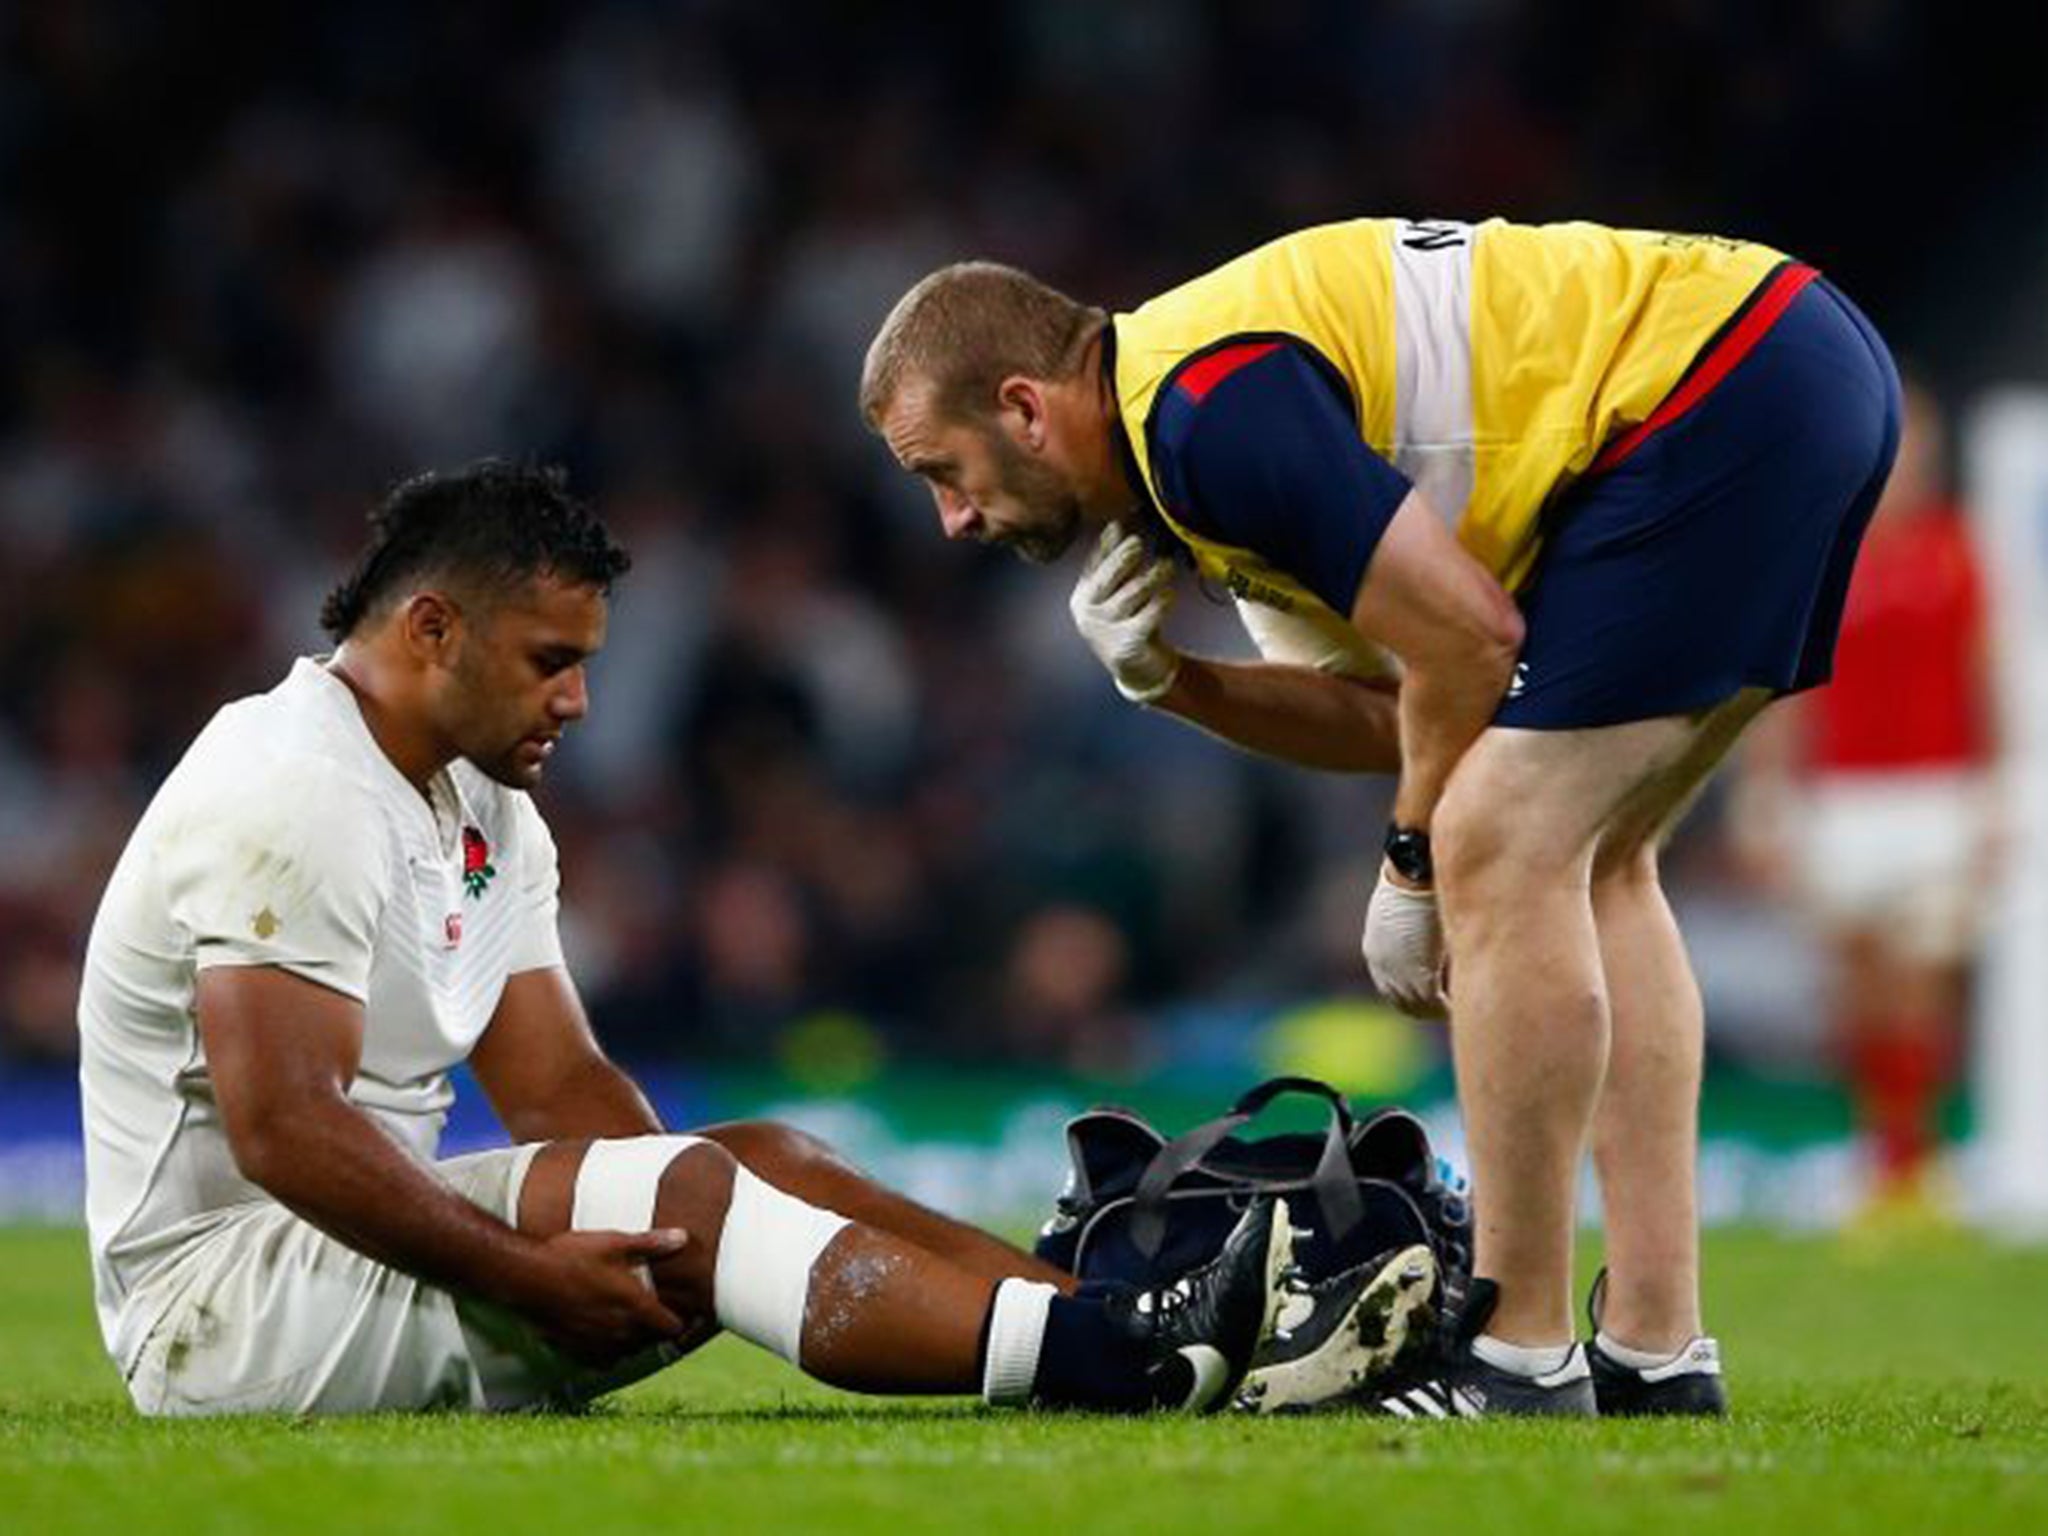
x: 856, y: 831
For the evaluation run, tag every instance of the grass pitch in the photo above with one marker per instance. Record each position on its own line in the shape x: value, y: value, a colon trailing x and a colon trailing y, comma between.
x: 1903, y: 1390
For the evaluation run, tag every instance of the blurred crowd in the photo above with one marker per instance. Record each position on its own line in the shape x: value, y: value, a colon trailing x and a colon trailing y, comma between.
x: 258, y: 262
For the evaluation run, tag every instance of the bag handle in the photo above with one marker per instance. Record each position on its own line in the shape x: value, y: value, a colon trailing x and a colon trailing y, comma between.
x: 1334, y: 1182
x: 1256, y: 1099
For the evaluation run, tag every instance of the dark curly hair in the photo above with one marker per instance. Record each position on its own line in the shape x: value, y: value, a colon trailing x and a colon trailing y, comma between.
x: 492, y: 525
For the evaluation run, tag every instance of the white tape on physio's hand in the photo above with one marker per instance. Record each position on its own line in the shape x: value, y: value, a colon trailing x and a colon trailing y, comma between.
x: 1118, y: 605
x: 617, y: 1185
x: 1404, y: 949
x: 763, y: 1280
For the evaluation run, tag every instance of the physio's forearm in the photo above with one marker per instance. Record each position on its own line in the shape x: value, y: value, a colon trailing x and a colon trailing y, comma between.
x: 333, y: 1165
x: 1443, y: 711
x: 1313, y: 719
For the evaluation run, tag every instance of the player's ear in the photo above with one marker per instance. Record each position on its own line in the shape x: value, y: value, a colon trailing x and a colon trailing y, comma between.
x: 432, y: 626
x: 1020, y: 407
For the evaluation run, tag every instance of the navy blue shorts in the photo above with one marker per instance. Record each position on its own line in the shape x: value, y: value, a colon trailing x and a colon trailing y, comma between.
x: 1715, y: 554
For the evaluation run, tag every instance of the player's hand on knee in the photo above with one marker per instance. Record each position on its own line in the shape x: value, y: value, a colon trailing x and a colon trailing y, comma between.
x: 595, y: 1300
x: 1404, y: 948
x: 1118, y: 605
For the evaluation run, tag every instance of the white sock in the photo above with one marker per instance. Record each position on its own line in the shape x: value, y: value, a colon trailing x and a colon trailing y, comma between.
x: 1522, y: 1359
x: 1016, y: 1329
x: 1634, y: 1359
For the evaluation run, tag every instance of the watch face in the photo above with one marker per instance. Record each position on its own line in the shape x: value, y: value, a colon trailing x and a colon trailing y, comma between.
x: 1408, y: 852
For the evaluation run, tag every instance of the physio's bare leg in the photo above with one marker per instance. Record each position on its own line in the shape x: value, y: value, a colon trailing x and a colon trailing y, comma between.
x: 883, y: 1315
x: 1646, y: 1128
x: 806, y: 1167
x: 1516, y: 834
x: 1645, y: 1133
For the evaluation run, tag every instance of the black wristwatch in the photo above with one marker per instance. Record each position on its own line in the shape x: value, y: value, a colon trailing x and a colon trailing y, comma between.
x: 1407, y: 849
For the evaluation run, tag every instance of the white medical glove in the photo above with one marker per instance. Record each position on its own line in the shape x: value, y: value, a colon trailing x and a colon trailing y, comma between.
x: 1118, y: 605
x: 1404, y: 948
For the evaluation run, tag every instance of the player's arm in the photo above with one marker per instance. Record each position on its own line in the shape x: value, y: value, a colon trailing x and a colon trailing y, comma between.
x: 544, y: 1071
x: 281, y: 1052
x: 280, y: 1005
x: 538, y: 1061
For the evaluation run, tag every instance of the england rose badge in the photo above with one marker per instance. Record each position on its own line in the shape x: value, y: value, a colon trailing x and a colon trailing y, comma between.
x: 477, y: 869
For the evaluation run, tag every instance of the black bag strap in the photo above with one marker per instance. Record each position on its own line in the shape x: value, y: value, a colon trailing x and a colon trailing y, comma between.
x: 1255, y: 1099
x: 1335, y: 1184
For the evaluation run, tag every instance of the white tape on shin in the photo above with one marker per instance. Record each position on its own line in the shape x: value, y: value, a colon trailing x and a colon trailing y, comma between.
x: 763, y: 1279
x: 619, y: 1180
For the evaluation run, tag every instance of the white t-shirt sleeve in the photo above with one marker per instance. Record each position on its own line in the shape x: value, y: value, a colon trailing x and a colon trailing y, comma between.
x: 1318, y: 637
x: 292, y: 871
x: 537, y: 942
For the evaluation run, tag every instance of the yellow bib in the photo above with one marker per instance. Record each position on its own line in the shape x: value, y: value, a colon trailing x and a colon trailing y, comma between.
x: 1489, y: 362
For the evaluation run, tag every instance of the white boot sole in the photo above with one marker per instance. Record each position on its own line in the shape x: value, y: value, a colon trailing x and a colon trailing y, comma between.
x: 1389, y: 1319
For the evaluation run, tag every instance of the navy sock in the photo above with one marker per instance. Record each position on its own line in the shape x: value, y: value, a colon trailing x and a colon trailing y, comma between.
x: 1087, y: 1361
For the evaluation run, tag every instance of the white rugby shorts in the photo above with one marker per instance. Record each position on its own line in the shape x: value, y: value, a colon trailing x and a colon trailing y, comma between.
x: 1903, y: 852
x: 265, y: 1313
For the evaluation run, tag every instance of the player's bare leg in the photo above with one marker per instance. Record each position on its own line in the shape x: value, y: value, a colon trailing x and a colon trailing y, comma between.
x: 806, y: 1167
x: 1646, y: 1128
x: 919, y: 1314
x: 865, y: 1309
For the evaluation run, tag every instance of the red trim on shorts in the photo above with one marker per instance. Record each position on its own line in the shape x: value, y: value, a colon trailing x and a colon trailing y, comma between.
x: 1758, y: 314
x: 1204, y: 374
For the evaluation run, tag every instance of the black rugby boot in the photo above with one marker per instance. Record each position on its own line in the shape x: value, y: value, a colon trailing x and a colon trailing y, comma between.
x: 1201, y: 1332
x: 1340, y: 1336
x: 1460, y: 1385
x: 1687, y: 1385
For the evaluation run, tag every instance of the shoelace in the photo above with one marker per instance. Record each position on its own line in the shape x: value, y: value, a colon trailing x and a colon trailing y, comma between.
x: 1166, y: 1301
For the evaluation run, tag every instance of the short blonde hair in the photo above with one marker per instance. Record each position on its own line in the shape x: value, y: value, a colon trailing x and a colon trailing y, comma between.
x: 964, y: 329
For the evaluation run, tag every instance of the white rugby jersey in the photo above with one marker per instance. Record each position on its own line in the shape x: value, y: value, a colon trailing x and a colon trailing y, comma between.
x: 286, y: 837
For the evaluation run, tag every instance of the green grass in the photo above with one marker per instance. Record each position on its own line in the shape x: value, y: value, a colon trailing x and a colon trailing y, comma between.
x: 1904, y: 1391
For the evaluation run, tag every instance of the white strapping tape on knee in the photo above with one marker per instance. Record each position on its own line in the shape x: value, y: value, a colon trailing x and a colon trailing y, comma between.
x: 763, y: 1278
x: 619, y: 1180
